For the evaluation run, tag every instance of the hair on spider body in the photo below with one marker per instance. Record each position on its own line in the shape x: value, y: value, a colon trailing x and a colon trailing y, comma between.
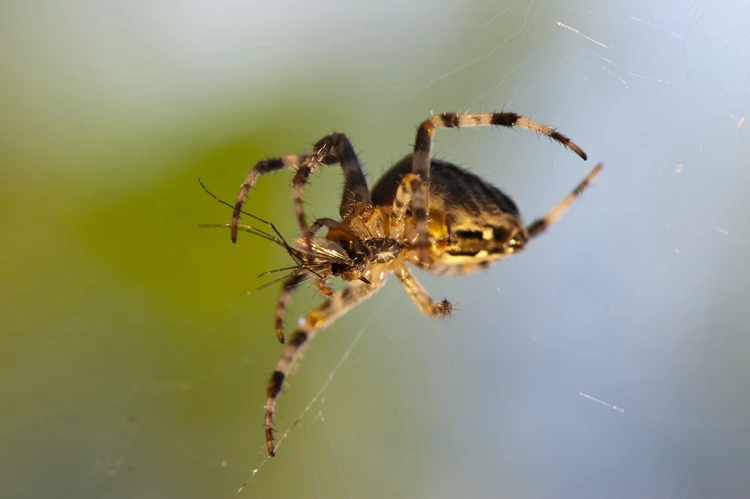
x: 422, y: 212
x: 471, y: 222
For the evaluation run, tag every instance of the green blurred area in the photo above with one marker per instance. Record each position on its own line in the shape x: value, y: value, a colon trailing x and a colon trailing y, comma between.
x: 114, y: 298
x: 126, y: 327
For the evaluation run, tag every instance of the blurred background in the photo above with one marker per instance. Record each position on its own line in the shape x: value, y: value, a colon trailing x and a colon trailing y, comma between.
x: 609, y: 359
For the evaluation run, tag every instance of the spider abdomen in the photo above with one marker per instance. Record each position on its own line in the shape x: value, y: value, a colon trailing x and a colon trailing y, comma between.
x: 471, y: 224
x: 451, y: 188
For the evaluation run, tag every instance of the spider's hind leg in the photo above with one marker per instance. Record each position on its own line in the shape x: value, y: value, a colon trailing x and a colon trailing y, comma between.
x: 540, y: 225
x: 423, y: 151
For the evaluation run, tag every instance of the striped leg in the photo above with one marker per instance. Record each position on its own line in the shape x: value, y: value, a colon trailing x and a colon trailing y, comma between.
x: 419, y: 295
x: 538, y: 226
x: 423, y: 150
x: 410, y: 183
x: 319, y: 318
x: 300, y: 179
x: 355, y: 184
x: 339, y: 151
x: 290, y: 286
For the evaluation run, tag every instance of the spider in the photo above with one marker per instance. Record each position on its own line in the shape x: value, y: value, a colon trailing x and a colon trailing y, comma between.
x: 423, y: 212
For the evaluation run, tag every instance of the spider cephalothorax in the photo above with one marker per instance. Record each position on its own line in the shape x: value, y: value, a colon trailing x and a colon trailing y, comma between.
x: 428, y: 213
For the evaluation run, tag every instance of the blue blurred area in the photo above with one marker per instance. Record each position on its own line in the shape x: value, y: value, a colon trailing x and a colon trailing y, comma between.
x: 609, y: 359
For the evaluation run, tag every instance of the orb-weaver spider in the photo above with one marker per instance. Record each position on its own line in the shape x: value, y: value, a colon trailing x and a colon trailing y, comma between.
x: 425, y: 212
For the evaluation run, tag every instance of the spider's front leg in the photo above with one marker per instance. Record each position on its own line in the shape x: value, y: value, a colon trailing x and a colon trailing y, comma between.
x: 300, y: 179
x: 319, y: 318
x: 301, y: 275
x: 338, y: 150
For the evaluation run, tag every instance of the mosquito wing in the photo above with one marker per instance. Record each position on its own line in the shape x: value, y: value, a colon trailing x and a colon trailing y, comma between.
x: 321, y: 251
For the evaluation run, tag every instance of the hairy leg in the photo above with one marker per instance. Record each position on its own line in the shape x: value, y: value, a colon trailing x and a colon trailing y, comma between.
x: 338, y: 150
x: 319, y: 318
x: 419, y: 295
x: 538, y: 226
x: 423, y: 151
